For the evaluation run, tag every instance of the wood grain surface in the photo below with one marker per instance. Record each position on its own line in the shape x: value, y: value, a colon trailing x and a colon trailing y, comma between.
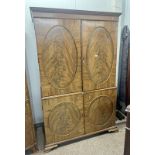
x: 77, y: 62
x: 99, y: 109
x: 59, y: 55
x: 99, y: 54
x: 63, y: 117
x: 56, y: 13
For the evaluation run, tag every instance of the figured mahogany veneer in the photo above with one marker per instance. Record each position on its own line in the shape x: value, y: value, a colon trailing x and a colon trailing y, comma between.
x: 63, y: 117
x: 99, y: 108
x: 77, y: 61
x: 99, y: 54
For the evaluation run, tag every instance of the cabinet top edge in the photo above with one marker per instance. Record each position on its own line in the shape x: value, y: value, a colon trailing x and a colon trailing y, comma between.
x: 37, y: 12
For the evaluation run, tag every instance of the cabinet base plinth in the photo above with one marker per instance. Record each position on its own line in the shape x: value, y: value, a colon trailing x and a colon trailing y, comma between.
x: 50, y: 147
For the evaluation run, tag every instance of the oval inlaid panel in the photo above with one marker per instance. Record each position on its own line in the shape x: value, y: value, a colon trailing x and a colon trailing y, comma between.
x: 100, y: 55
x: 59, y: 57
x: 100, y: 110
x: 64, y: 118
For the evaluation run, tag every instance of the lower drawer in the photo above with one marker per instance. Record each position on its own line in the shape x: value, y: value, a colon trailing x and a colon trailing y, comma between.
x: 63, y: 117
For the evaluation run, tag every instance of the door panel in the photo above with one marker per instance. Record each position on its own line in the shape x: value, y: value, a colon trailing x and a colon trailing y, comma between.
x: 63, y: 117
x: 59, y: 55
x: 99, y: 54
x: 99, y: 109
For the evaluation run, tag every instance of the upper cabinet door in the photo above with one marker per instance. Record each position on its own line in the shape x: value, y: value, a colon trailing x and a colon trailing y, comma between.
x: 59, y: 55
x: 99, y: 54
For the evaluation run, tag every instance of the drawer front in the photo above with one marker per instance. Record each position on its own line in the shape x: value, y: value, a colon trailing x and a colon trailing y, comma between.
x: 99, y: 54
x: 99, y: 109
x: 63, y: 117
x: 59, y: 55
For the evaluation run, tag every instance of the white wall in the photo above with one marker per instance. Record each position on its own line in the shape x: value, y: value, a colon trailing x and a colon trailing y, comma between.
x: 32, y: 67
x: 126, y: 13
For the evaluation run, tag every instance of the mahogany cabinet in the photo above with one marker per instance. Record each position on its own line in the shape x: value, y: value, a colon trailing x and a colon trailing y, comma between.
x: 77, y: 61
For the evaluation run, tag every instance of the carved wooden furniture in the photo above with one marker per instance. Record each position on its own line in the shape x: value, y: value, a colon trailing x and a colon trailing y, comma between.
x: 30, y: 140
x: 77, y: 61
